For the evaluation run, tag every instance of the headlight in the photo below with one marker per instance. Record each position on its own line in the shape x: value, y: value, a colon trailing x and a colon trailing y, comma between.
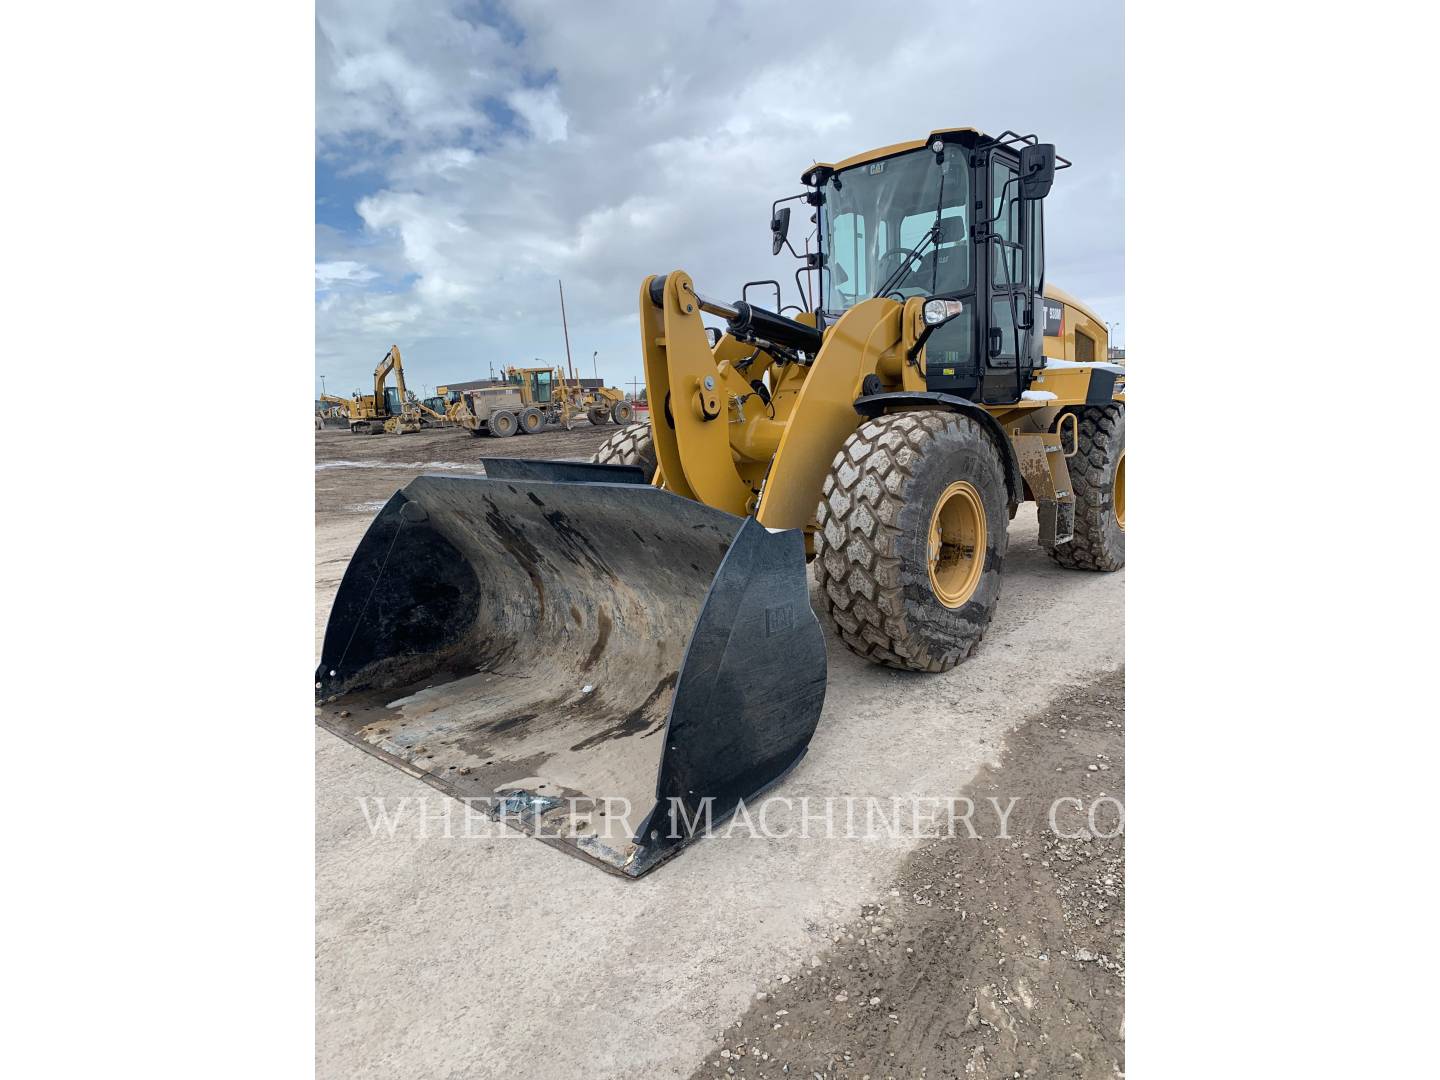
x: 939, y: 311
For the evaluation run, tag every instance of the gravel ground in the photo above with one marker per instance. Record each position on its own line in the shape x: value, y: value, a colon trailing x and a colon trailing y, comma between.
x: 986, y: 957
x: 353, y: 470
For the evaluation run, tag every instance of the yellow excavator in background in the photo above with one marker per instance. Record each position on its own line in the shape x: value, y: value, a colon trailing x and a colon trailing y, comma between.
x: 389, y: 409
x: 567, y: 642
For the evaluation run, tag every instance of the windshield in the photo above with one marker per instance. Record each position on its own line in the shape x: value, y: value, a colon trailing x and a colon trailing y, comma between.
x: 876, y: 212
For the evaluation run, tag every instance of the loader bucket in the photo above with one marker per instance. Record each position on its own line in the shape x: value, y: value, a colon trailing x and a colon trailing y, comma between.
x: 597, y: 662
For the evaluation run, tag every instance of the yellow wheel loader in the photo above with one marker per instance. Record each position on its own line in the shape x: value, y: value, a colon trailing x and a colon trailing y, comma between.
x: 613, y: 655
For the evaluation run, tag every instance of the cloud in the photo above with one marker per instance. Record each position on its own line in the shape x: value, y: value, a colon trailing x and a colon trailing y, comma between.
x: 342, y: 272
x: 541, y: 111
x: 508, y: 147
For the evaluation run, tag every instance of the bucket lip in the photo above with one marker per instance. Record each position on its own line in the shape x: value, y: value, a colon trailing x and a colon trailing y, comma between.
x: 540, y: 470
x: 765, y: 538
x: 450, y: 479
x: 740, y: 533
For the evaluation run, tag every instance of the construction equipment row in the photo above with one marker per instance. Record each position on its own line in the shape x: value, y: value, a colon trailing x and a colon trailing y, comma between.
x: 530, y: 399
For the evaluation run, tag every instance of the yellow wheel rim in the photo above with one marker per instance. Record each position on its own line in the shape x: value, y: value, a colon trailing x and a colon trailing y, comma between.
x: 957, y: 543
x: 1120, y: 490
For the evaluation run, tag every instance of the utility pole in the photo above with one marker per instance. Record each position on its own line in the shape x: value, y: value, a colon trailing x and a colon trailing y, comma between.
x: 322, y: 385
x: 569, y: 364
x: 595, y: 363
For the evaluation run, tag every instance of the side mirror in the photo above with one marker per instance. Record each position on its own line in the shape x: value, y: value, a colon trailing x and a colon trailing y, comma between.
x: 779, y: 229
x: 1037, y: 170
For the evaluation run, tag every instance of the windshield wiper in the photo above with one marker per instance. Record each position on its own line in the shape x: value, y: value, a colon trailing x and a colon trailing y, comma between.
x: 931, y: 235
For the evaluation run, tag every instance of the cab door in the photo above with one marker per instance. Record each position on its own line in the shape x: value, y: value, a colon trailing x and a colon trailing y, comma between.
x: 1015, y: 271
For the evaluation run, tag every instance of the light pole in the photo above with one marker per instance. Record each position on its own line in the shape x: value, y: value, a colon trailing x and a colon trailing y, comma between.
x: 595, y: 362
x: 322, y: 385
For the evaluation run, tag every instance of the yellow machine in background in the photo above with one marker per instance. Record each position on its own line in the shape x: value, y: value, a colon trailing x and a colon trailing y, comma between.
x: 388, y: 409
x: 565, y: 638
x: 439, y: 410
x: 492, y: 410
x: 332, y: 411
x: 547, y: 397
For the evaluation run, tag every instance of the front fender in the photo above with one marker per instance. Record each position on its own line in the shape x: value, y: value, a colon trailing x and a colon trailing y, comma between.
x: 873, y: 405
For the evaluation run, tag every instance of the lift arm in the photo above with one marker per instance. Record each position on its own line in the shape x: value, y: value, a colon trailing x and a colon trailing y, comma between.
x: 718, y: 439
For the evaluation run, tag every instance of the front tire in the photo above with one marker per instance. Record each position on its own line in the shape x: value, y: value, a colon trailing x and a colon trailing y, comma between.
x: 1097, y: 473
x: 913, y: 530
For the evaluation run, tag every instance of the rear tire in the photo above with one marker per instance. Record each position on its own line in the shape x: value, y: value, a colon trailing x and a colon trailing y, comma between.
x: 913, y: 529
x: 1097, y: 473
x: 531, y: 421
x: 597, y: 417
x: 622, y: 412
x: 503, y: 424
x: 631, y: 445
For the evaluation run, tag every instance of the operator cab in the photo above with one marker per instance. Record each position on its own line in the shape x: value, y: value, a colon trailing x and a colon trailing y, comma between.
x: 957, y: 216
x: 540, y: 381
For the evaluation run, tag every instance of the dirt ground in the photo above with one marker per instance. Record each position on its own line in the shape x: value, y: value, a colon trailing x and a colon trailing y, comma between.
x: 362, y: 471
x: 986, y: 957
x: 441, y: 955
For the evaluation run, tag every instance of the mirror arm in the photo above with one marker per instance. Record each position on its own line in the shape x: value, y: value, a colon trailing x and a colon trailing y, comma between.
x: 912, y: 354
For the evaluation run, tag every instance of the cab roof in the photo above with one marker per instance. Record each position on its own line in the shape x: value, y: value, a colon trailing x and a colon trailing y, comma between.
x: 974, y: 134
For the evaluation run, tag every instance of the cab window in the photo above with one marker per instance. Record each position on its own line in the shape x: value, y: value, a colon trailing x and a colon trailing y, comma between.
x: 1005, y: 206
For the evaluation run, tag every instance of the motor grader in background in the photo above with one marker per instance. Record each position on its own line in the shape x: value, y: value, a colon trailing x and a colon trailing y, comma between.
x: 612, y: 655
x: 390, y: 410
x: 549, y: 398
x: 533, y: 397
x: 490, y: 410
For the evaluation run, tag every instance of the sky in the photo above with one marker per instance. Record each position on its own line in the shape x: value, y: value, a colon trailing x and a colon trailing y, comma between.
x: 471, y: 154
